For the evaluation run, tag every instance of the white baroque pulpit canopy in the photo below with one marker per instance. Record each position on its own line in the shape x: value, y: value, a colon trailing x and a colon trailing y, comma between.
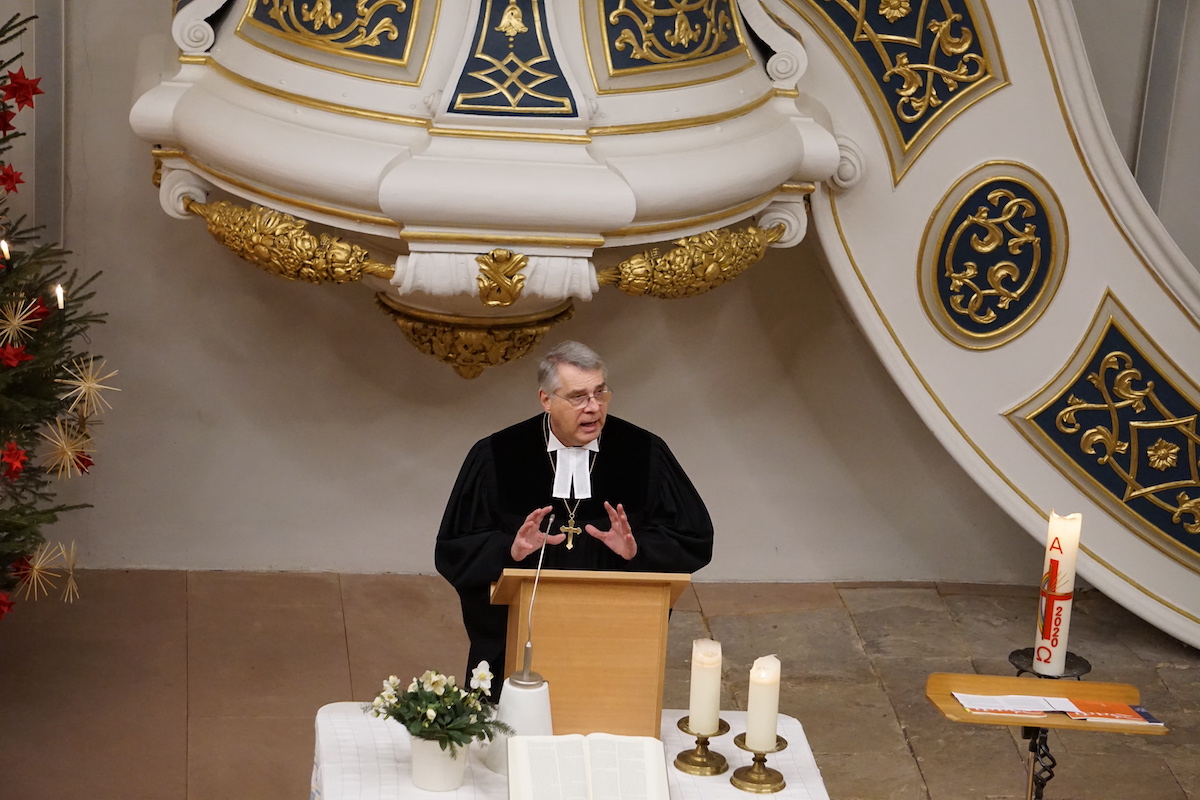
x: 479, y: 163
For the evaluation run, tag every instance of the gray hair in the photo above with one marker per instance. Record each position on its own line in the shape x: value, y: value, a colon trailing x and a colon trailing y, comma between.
x: 577, y: 355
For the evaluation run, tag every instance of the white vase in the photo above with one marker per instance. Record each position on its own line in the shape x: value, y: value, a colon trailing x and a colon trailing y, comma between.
x: 434, y: 769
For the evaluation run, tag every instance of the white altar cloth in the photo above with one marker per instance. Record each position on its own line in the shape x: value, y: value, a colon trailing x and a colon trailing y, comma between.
x: 360, y: 757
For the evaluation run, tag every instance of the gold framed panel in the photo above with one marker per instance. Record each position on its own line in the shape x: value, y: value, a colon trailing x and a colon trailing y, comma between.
x: 1017, y: 242
x: 1120, y: 457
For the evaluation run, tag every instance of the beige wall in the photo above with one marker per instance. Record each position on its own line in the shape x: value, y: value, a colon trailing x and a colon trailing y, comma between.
x: 271, y: 425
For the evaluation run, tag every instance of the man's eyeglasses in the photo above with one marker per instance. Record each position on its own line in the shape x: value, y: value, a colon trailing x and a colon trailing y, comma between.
x: 581, y: 400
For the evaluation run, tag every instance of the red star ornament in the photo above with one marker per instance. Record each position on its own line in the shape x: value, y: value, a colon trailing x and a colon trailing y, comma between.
x: 11, y: 356
x: 83, y: 462
x: 6, y: 604
x: 15, y: 457
x: 9, y: 178
x: 21, y: 89
x: 40, y: 310
x: 6, y: 118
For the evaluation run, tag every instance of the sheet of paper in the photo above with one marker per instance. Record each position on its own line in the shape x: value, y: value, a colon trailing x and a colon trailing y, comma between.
x: 1005, y: 703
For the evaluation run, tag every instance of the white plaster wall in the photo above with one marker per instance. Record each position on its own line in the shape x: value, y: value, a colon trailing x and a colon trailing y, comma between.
x: 271, y: 425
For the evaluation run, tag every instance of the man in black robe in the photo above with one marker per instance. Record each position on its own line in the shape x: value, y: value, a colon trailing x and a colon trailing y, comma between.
x: 619, y: 498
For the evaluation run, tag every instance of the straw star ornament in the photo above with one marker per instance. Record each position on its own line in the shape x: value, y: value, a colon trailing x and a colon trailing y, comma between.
x: 69, y: 449
x: 87, y: 384
x: 18, y: 321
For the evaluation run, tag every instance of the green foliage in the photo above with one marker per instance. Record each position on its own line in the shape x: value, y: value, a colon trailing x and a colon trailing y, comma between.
x: 434, y: 707
x: 38, y: 350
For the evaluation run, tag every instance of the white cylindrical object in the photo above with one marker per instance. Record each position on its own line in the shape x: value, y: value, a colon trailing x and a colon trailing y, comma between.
x: 704, y: 706
x: 527, y: 711
x: 762, y: 705
x: 1058, y: 590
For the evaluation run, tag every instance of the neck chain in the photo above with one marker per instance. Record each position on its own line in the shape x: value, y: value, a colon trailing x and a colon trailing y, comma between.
x: 570, y: 529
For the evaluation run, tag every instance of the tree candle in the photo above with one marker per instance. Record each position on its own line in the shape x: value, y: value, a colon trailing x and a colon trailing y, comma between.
x: 704, y: 708
x: 762, y: 705
x: 1058, y: 590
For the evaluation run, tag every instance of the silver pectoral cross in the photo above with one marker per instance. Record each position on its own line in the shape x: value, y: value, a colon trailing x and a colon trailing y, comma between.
x: 570, y: 530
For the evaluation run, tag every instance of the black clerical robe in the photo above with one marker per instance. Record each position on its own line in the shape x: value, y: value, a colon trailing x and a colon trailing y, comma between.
x: 509, y: 474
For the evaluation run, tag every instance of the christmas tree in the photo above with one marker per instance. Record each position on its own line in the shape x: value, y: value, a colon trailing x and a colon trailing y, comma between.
x: 50, y: 390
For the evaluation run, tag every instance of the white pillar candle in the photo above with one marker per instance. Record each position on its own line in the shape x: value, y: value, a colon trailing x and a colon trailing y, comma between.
x: 762, y: 705
x: 704, y: 708
x: 1058, y: 589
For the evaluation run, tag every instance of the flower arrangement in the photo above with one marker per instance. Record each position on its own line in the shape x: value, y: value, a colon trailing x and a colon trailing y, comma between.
x: 434, y: 707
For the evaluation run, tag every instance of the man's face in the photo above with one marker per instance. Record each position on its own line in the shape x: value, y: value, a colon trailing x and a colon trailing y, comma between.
x: 575, y: 426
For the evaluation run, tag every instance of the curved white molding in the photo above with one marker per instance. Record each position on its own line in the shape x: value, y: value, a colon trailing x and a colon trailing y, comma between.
x: 179, y: 185
x: 441, y: 274
x: 851, y: 164
x: 190, y: 28
x: 791, y: 214
x: 1107, y: 166
x: 873, y: 234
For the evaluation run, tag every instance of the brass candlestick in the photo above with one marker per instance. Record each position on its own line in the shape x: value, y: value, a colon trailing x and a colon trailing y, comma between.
x: 700, y: 760
x: 758, y: 777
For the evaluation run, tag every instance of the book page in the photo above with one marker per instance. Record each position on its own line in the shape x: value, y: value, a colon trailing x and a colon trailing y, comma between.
x: 627, y: 767
x: 547, y: 768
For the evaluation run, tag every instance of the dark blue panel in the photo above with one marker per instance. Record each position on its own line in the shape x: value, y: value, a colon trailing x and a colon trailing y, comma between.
x: 1138, y: 427
x: 512, y: 70
x: 642, y: 33
x: 920, y: 54
x: 995, y: 258
x: 380, y: 31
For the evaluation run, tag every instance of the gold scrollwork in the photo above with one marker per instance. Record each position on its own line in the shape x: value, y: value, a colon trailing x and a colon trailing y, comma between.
x: 698, y: 263
x: 499, y: 279
x: 360, y: 31
x: 471, y: 345
x: 918, y: 95
x: 709, y: 32
x: 282, y: 244
x: 1002, y: 277
x: 1121, y: 386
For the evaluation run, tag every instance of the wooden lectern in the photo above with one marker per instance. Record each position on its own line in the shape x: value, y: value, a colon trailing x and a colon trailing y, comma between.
x: 599, y: 639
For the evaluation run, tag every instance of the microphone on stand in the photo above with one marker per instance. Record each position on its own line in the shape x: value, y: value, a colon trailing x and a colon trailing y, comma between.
x: 525, y: 701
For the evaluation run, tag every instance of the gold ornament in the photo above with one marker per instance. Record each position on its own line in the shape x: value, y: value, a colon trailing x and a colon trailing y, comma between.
x: 18, y: 321
x: 500, y: 283
x: 471, y: 345
x: 697, y: 264
x: 69, y: 448
x: 88, y: 386
x: 71, y: 590
x: 282, y: 244
x: 511, y: 23
x: 39, y: 575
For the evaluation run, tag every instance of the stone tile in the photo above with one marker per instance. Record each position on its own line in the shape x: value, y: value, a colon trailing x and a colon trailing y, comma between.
x: 994, y: 625
x: 724, y: 599
x: 262, y: 660
x: 266, y: 758
x: 904, y: 681
x: 688, y: 601
x: 1133, y: 776
x: 401, y: 625
x: 135, y: 752
x: 986, y: 590
x: 874, y: 776
x: 904, y: 622
x: 969, y: 761
x: 1110, y: 619
x: 1184, y: 685
x: 840, y: 717
x: 295, y: 589
x: 820, y: 643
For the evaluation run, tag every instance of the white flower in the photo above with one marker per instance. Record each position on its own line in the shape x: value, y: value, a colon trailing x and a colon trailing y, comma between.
x: 392, y: 682
x: 434, y: 682
x: 481, y: 678
x: 412, y: 687
x: 389, y: 696
x: 431, y: 713
x: 473, y: 719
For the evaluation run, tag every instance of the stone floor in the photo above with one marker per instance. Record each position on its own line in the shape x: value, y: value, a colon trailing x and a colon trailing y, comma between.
x: 165, y: 685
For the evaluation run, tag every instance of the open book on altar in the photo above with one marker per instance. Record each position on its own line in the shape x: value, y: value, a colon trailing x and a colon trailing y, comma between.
x: 598, y: 766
